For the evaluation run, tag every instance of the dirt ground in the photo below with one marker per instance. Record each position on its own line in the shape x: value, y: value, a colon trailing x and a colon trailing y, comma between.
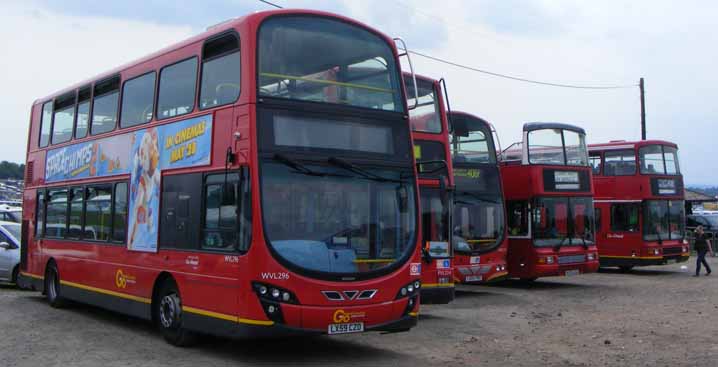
x: 656, y: 316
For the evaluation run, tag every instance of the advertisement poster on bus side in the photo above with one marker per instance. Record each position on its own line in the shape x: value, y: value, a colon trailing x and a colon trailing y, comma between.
x: 98, y: 158
x: 182, y: 144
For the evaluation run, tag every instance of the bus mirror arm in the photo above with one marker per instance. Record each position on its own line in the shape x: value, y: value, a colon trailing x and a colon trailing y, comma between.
x: 411, y: 69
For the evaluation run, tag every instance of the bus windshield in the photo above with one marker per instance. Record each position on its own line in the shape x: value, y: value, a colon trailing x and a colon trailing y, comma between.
x: 330, y: 219
x: 471, y: 140
x: 559, y: 221
x: 318, y: 59
x: 435, y: 222
x: 663, y: 220
x: 425, y: 117
x: 557, y: 147
x: 659, y: 160
x: 479, y: 220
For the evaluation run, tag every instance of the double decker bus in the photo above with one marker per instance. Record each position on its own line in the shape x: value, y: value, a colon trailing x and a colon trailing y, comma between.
x: 255, y: 180
x: 640, y: 210
x: 430, y: 131
x: 549, y: 203
x: 479, y: 219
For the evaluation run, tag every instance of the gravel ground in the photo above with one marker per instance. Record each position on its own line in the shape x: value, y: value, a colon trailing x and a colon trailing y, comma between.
x: 655, y: 316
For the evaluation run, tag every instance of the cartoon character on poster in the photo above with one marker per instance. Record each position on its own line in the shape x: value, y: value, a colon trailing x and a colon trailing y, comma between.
x: 144, y: 193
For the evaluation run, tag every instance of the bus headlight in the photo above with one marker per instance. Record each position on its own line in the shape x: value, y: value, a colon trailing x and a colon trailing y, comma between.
x: 409, y: 290
x: 591, y: 256
x: 271, y: 297
x: 684, y: 249
x: 656, y: 251
x: 546, y: 260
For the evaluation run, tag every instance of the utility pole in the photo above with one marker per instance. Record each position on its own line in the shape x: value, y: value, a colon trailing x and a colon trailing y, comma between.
x: 643, y: 110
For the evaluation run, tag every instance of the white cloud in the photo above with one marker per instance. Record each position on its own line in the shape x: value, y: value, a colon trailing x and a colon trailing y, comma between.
x: 44, y: 52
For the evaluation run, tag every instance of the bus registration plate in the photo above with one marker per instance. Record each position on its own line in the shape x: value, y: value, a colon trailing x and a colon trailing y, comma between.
x: 572, y: 272
x: 474, y: 278
x: 352, y: 327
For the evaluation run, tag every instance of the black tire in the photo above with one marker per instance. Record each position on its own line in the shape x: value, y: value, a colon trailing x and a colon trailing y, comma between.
x: 52, y: 287
x: 625, y: 268
x: 167, y: 309
x: 15, y: 273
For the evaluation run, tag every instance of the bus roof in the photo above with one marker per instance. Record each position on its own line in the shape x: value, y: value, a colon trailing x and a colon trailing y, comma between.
x: 212, y: 30
x: 622, y: 144
x: 531, y: 126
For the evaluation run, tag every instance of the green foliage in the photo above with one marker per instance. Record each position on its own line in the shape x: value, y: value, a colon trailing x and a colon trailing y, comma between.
x: 9, y: 170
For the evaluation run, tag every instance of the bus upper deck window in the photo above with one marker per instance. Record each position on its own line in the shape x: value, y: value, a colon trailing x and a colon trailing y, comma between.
x: 220, y: 72
x: 177, y: 89
x: 63, y: 116
x: 138, y: 96
x: 104, y: 106
x: 82, y: 117
x: 45, y: 124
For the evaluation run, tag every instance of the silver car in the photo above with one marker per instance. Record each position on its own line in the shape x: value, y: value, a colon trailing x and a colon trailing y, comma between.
x: 9, y: 251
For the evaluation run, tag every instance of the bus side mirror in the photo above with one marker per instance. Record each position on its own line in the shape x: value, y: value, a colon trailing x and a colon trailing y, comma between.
x: 5, y: 245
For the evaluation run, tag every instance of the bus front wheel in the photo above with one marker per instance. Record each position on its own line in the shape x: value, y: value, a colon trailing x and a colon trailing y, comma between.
x: 168, y: 310
x: 52, y: 287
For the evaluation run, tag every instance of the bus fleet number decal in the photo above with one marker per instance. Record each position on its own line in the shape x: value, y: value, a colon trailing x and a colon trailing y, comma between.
x: 275, y: 276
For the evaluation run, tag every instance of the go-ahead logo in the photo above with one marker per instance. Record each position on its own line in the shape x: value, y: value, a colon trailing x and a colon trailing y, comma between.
x: 122, y: 279
x: 341, y: 316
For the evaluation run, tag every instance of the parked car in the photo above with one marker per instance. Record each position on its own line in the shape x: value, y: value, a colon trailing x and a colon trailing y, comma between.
x: 10, y: 213
x: 9, y: 251
x: 709, y: 222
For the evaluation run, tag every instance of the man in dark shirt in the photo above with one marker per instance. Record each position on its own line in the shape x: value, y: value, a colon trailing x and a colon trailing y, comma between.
x: 702, y: 246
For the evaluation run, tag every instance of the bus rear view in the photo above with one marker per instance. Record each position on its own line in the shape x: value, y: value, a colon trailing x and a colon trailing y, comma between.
x: 549, y: 203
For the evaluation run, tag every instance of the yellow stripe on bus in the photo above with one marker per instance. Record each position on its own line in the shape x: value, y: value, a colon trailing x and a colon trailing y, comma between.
x: 413, y: 314
x: 633, y: 257
x: 437, y: 285
x: 226, y: 317
x: 107, y: 292
x: 496, y: 275
x: 31, y: 275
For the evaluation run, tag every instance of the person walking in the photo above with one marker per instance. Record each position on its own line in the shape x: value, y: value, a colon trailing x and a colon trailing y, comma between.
x: 702, y: 246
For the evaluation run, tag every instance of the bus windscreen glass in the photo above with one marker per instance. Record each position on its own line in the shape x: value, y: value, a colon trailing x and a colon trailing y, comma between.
x: 332, y: 220
x: 425, y: 117
x: 471, y: 140
x: 318, y: 59
x: 435, y: 222
x: 563, y: 221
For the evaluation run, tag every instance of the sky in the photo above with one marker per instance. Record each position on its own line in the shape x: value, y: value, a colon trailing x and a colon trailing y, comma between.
x: 51, y: 44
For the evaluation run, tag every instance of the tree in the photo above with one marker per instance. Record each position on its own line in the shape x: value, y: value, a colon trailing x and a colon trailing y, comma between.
x: 10, y: 170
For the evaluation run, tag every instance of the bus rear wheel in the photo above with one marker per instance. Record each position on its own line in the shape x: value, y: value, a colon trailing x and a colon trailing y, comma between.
x: 52, y: 287
x: 168, y: 313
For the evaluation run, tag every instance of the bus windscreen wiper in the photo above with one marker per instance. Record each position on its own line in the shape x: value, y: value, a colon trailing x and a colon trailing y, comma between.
x: 289, y: 162
x: 351, y: 167
x: 558, y: 247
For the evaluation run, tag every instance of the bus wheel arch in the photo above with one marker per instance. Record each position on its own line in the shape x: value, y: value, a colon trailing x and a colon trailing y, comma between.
x: 167, y: 311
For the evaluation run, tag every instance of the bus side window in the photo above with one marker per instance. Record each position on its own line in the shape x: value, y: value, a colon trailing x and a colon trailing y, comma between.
x: 177, y: 89
x: 518, y: 218
x: 119, y: 214
x: 56, y: 225
x: 180, y: 211
x: 45, y: 124
x: 40, y: 215
x: 221, y: 219
x: 220, y: 71
x: 104, y: 105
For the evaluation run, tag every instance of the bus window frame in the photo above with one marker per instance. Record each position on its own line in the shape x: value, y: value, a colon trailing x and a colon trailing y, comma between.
x: 200, y: 73
x: 158, y: 87
x: 563, y: 149
x: 51, y: 102
x: 90, y: 122
x: 89, y: 111
x: 122, y: 99
x: 598, y: 172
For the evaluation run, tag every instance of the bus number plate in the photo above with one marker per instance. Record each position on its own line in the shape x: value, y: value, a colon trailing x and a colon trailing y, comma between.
x: 353, y: 327
x: 474, y: 278
x: 572, y: 272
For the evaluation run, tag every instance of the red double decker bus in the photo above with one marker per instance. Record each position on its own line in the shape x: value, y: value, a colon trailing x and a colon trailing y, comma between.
x: 430, y: 133
x: 255, y: 180
x: 640, y: 211
x: 479, y: 220
x: 549, y: 203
